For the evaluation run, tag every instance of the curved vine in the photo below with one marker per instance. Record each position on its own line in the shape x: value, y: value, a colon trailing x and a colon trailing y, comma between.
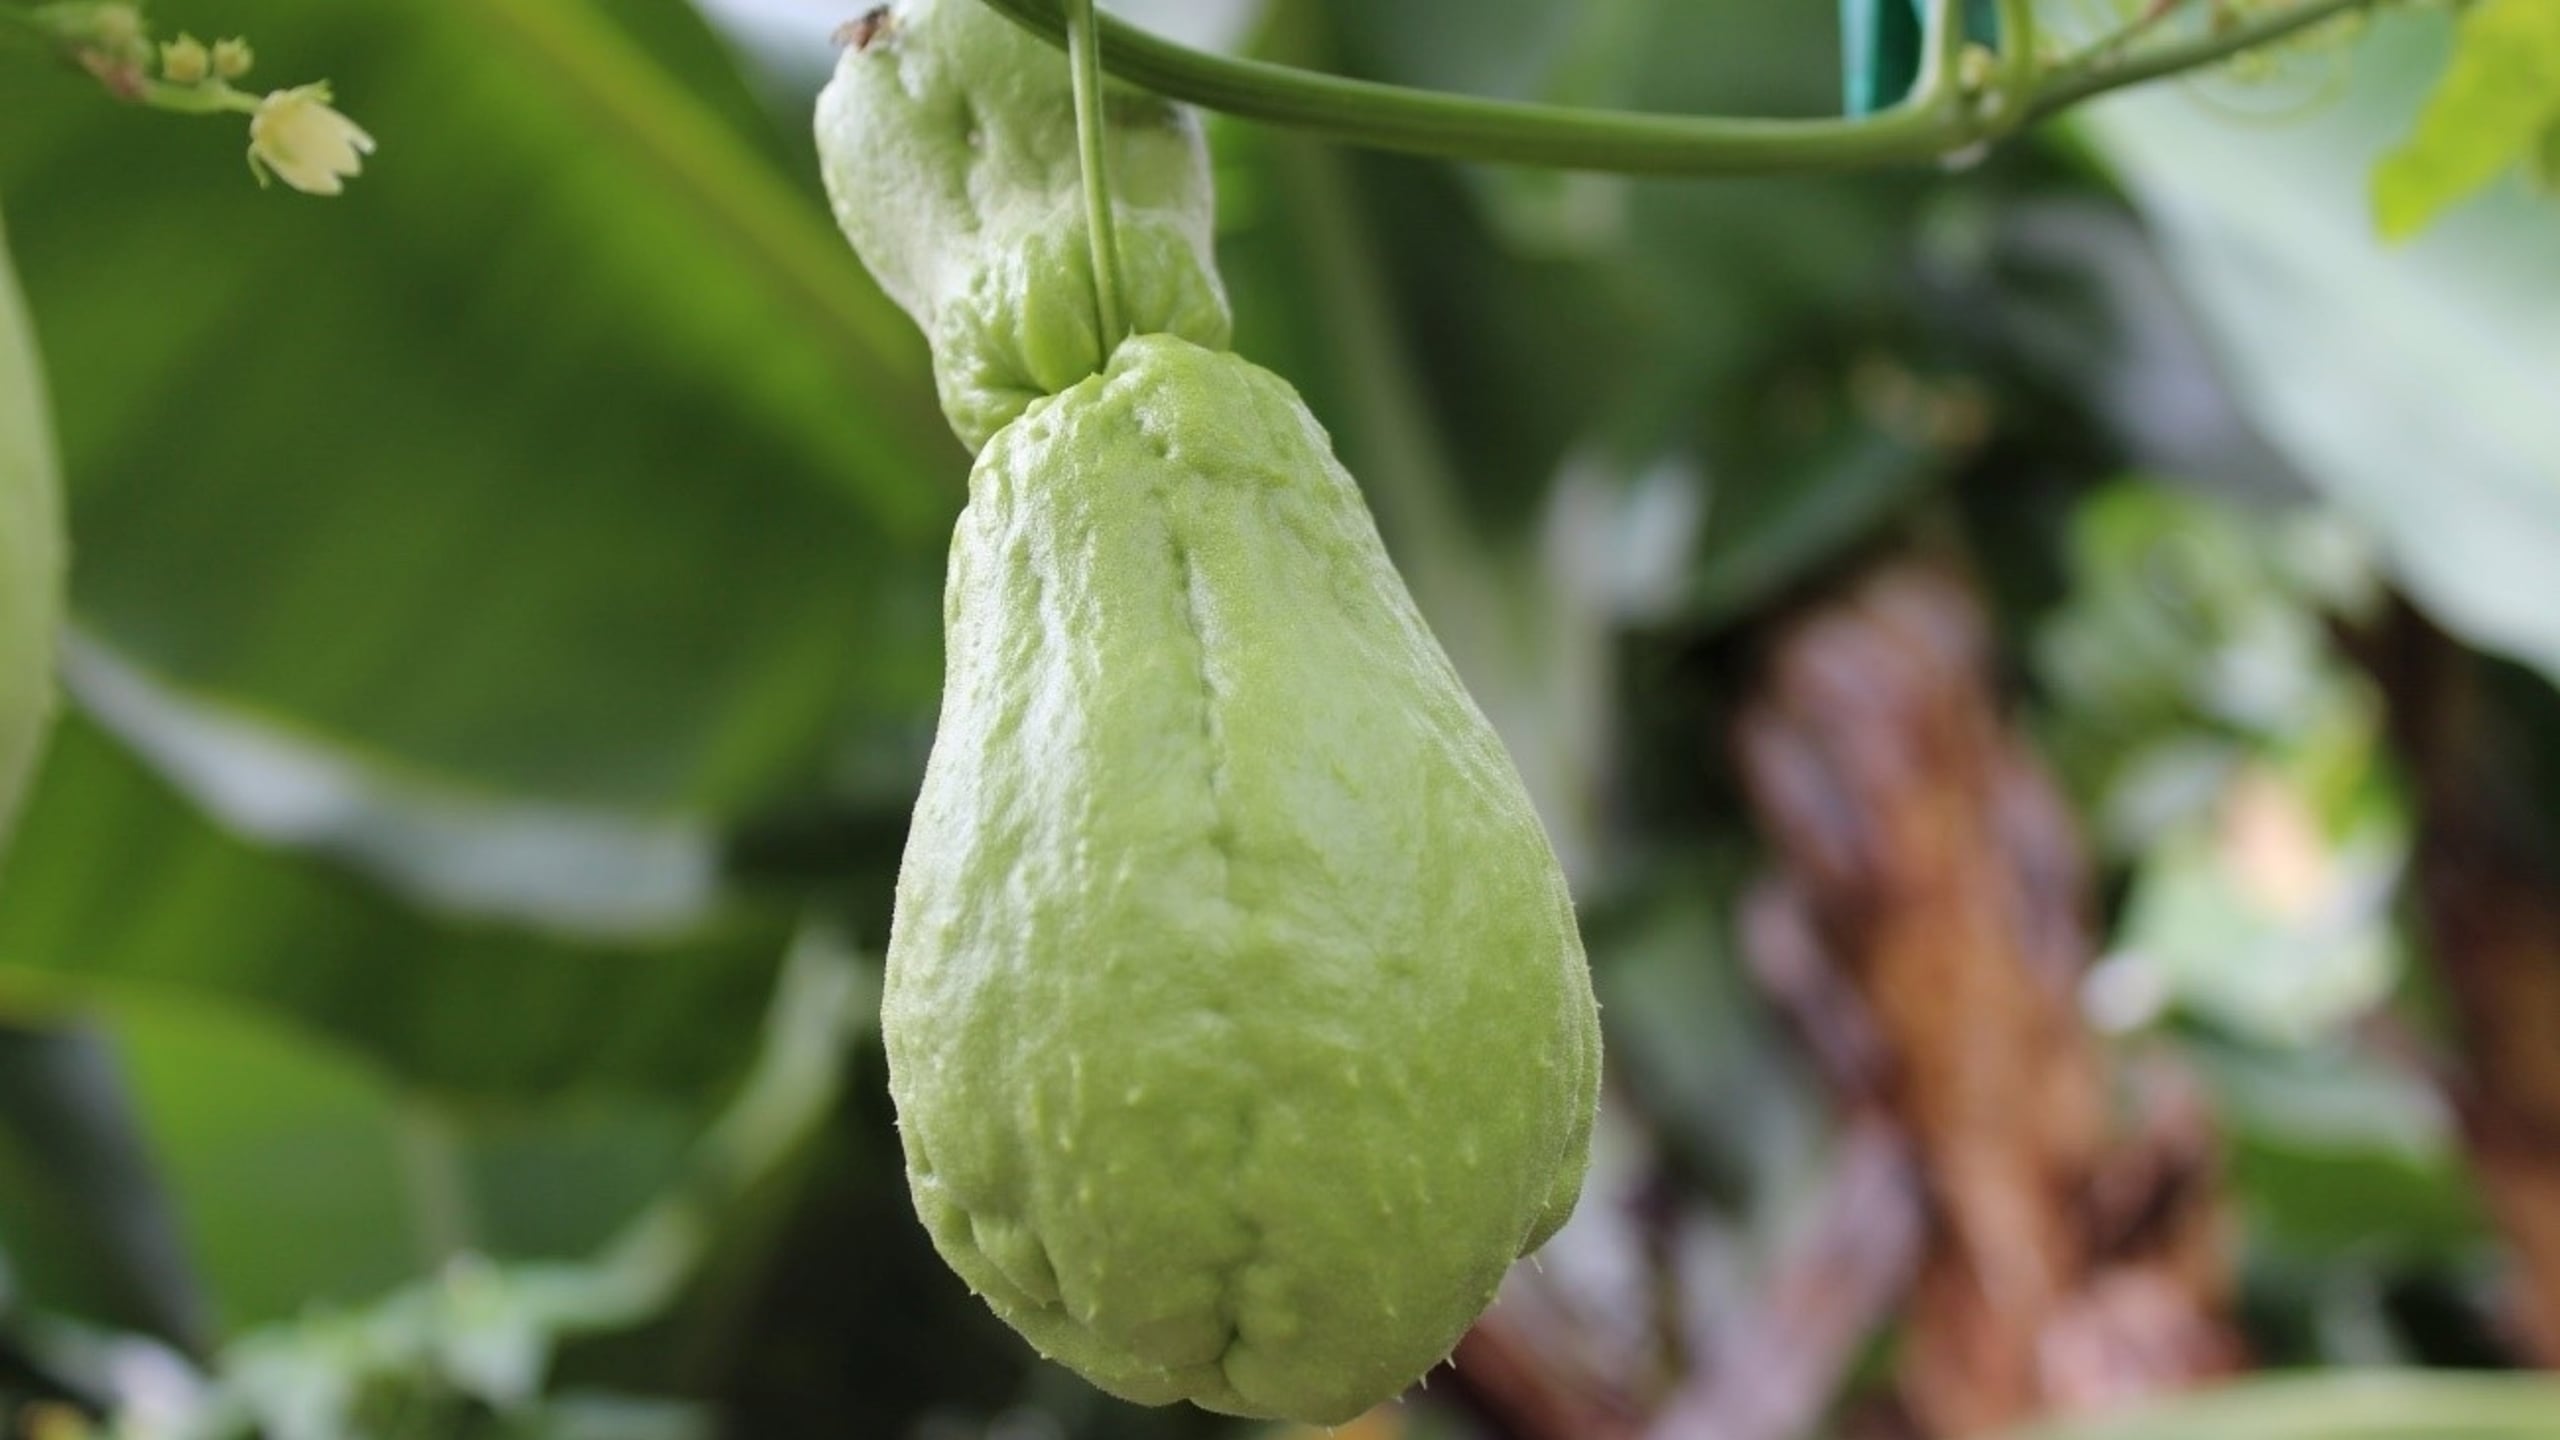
x: 1954, y: 108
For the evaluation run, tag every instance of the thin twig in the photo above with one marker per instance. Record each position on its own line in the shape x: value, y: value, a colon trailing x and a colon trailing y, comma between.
x: 2075, y: 82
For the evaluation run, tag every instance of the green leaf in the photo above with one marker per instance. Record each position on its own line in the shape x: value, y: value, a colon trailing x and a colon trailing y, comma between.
x: 303, y: 1175
x: 118, y: 879
x: 2379, y: 1405
x: 285, y: 1157
x: 79, y: 1202
x: 1697, y: 1047
x: 2222, y: 949
x: 1771, y: 524
x: 2498, y: 97
x: 2411, y: 385
x: 595, y: 873
x: 2342, y: 1156
x: 527, y: 1222
x: 569, y: 454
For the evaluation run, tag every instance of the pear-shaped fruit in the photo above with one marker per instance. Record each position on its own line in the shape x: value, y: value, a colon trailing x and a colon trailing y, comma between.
x: 1238, y: 1025
x: 1237, y: 1022
x: 30, y: 552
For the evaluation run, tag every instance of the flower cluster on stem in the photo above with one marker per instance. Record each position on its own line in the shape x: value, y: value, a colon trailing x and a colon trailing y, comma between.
x: 296, y: 134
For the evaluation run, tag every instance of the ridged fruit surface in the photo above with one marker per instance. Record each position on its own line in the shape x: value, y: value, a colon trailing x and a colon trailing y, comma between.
x: 1237, y: 1021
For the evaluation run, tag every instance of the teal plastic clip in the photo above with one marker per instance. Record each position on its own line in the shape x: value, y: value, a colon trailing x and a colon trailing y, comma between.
x: 1880, y: 48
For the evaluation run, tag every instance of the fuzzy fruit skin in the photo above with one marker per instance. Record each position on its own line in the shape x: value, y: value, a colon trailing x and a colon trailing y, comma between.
x: 949, y: 149
x: 1237, y: 1021
x: 31, y: 553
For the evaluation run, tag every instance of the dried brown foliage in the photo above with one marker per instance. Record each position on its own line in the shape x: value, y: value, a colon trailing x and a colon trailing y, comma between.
x: 1925, y: 931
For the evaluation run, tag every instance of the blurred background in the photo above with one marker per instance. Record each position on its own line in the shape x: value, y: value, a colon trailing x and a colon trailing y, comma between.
x: 2042, y: 676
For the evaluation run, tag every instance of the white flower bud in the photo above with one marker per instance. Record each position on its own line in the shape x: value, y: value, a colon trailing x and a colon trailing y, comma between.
x: 303, y: 142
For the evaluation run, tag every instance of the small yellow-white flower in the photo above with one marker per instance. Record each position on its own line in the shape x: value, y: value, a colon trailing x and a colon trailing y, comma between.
x: 185, y: 61
x: 306, y: 144
x: 232, y: 58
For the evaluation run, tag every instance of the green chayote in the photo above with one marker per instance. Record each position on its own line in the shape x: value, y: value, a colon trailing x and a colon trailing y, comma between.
x: 30, y: 552
x: 1237, y: 1021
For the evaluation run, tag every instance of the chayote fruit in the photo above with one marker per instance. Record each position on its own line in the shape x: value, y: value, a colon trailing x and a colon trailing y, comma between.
x: 30, y: 552
x: 1237, y: 1022
x: 1236, y: 1018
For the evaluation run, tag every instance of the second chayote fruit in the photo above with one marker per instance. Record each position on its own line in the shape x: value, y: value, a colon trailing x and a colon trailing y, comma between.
x: 30, y: 553
x: 1237, y: 1020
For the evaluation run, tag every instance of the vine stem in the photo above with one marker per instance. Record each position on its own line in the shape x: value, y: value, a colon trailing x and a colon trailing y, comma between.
x: 2073, y: 83
x: 1084, y: 59
x: 1937, y: 120
x: 2017, y: 47
x: 1461, y: 127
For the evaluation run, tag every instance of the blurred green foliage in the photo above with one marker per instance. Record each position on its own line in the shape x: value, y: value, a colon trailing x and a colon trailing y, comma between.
x: 506, y: 639
x: 2496, y: 110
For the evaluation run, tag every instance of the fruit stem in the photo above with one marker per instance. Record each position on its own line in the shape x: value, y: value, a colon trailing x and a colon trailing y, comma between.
x: 1084, y: 59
